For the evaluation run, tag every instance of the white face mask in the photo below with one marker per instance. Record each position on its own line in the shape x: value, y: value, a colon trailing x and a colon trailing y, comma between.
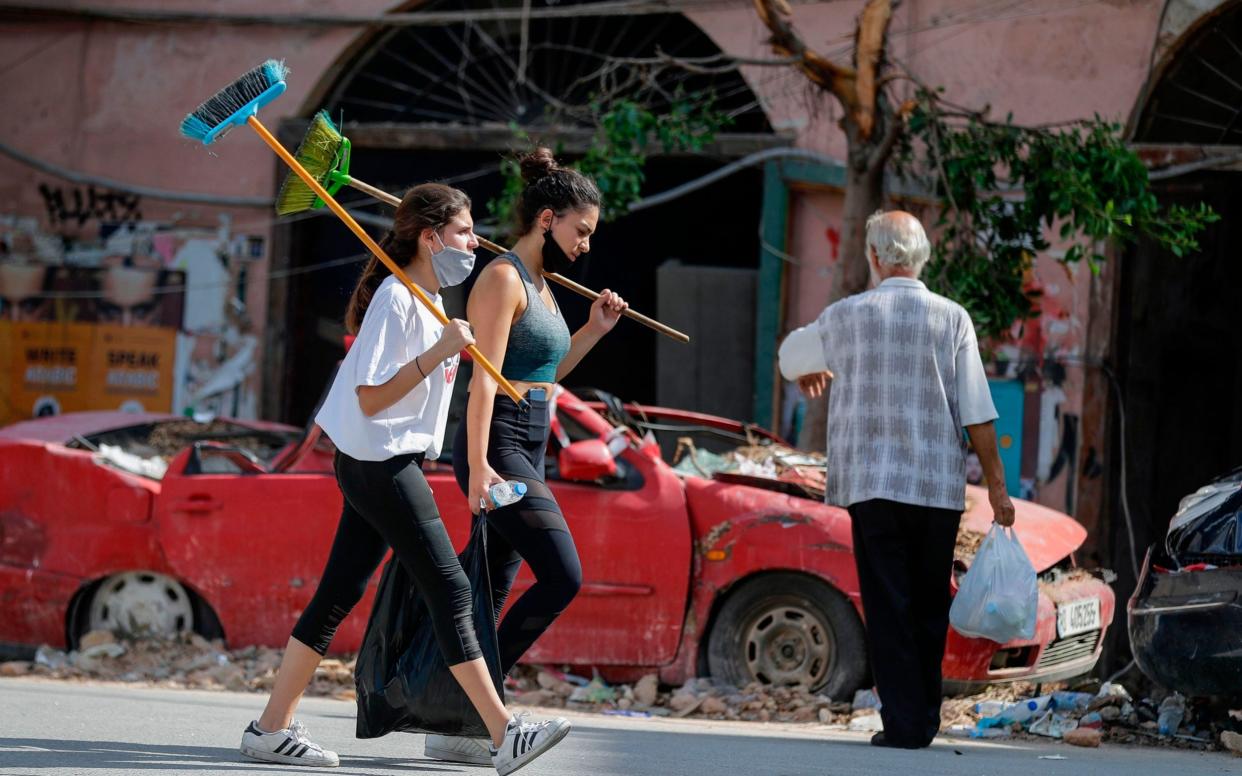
x: 451, y: 265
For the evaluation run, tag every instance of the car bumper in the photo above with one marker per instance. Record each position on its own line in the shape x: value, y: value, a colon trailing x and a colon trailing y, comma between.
x: 1048, y: 657
x: 1186, y: 629
x: 33, y: 604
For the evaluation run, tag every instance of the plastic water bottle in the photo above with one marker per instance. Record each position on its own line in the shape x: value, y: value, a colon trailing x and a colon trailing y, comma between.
x: 505, y: 493
x: 1172, y: 711
x: 1022, y: 711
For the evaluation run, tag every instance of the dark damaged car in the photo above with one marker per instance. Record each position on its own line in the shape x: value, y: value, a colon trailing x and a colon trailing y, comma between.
x: 1186, y: 613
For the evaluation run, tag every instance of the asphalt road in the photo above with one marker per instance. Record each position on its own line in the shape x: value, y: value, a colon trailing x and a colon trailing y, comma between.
x: 50, y: 728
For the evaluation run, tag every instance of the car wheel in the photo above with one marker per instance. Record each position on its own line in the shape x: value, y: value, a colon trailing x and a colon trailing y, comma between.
x: 788, y: 629
x: 140, y: 604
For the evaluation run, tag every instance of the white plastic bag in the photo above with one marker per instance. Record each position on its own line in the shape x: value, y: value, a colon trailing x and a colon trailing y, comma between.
x: 998, y: 599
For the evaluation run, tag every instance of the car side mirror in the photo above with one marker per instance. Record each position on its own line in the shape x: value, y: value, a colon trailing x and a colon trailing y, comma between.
x: 586, y: 461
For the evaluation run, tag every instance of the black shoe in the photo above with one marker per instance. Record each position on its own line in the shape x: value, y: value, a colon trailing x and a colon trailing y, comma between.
x: 879, y: 739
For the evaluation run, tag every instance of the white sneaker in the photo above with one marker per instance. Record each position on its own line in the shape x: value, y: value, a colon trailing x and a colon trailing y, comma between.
x: 291, y: 746
x: 524, y: 741
x: 458, y: 749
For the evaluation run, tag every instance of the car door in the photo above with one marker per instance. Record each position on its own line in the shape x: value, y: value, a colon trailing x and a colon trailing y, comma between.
x: 633, y: 538
x: 252, y: 543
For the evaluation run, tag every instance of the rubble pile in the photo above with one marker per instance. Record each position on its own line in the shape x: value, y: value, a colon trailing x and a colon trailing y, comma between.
x: 189, y: 661
x: 1106, y: 714
x: 698, y: 697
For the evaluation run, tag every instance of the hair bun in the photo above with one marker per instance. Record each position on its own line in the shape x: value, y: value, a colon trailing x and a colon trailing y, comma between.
x: 537, y: 164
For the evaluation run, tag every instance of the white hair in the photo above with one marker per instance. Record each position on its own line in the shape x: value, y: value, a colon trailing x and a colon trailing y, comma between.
x: 898, y: 242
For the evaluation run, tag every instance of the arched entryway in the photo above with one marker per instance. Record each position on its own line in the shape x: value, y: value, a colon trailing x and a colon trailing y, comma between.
x: 1177, y: 339
x: 443, y: 103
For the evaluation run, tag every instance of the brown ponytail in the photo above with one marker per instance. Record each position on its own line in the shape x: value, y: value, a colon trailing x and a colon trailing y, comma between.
x: 426, y: 206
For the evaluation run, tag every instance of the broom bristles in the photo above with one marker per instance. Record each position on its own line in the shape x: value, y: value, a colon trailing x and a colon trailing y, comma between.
x: 224, y: 104
x: 319, y: 153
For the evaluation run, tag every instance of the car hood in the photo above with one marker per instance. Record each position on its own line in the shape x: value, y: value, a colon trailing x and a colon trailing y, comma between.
x: 59, y: 429
x: 1047, y: 535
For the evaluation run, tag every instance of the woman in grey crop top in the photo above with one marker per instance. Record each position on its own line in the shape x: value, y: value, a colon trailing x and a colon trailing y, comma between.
x: 518, y: 326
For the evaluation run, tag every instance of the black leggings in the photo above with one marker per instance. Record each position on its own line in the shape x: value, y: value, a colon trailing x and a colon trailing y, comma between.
x: 533, y: 529
x: 389, y: 504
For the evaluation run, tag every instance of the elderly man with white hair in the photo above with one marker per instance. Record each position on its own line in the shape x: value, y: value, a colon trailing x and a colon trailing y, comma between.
x: 906, y: 378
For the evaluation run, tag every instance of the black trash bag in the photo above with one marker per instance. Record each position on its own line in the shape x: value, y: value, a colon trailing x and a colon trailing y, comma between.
x: 402, y: 680
x: 1208, y: 525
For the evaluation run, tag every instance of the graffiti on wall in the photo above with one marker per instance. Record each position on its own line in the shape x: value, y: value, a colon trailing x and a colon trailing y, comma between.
x: 79, y: 205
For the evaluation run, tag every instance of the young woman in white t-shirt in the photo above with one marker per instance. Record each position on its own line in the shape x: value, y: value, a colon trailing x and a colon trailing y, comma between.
x: 385, y: 413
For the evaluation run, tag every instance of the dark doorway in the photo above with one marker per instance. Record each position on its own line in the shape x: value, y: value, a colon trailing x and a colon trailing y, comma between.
x: 1180, y: 358
x: 716, y: 227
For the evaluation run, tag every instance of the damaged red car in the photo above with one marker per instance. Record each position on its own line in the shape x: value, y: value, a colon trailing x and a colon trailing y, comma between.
x: 704, y: 546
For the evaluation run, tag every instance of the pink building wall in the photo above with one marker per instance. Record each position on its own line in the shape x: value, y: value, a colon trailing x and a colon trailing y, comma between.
x: 106, y: 99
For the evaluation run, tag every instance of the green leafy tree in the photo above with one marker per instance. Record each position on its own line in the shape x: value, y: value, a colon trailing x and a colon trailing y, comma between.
x: 1002, y: 186
x: 626, y: 132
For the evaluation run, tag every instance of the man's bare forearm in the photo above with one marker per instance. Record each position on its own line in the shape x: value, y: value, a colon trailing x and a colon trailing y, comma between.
x: 983, y: 440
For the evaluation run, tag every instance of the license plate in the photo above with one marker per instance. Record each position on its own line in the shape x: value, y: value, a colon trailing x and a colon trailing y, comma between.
x: 1078, y: 617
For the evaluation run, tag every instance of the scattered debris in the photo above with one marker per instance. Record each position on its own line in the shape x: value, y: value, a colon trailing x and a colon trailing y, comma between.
x: 1017, y: 710
x: 1084, y: 737
x: 867, y: 723
x: 866, y: 699
x: 697, y: 697
x: 1232, y: 741
x: 154, y: 467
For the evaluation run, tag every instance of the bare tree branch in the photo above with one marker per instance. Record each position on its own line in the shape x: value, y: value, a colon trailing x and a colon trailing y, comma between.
x: 868, y: 57
x: 834, y: 78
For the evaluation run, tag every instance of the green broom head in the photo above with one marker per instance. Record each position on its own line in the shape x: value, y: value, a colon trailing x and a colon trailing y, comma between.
x: 234, y: 104
x: 324, y: 152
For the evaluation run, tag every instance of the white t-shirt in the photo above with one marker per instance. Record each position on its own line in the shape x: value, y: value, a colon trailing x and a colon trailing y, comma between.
x: 396, y: 328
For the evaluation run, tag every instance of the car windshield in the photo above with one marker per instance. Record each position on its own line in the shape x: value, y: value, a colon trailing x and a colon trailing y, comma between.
x: 145, y: 449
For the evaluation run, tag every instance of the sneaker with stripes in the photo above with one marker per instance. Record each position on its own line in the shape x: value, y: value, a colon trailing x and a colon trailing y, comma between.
x: 458, y: 749
x: 291, y: 746
x: 524, y: 741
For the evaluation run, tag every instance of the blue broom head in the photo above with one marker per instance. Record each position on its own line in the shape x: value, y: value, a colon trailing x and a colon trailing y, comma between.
x: 232, y: 105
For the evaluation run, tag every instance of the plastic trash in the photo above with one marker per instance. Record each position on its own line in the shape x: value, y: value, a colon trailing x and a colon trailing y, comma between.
x: 1172, y: 712
x: 1112, y: 690
x: 990, y: 708
x: 50, y: 657
x: 505, y: 493
x: 1072, y: 701
x: 1208, y: 523
x: 1053, y: 725
x: 1020, y: 712
x: 974, y: 731
x: 597, y: 691
x: 999, y: 597
x: 866, y: 699
x: 1093, y: 720
x: 868, y: 723
x: 402, y: 680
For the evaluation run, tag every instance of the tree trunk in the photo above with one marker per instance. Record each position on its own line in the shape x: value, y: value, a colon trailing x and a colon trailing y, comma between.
x: 864, y: 194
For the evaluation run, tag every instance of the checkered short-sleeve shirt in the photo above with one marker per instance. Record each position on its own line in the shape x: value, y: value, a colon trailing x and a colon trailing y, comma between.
x: 907, y: 378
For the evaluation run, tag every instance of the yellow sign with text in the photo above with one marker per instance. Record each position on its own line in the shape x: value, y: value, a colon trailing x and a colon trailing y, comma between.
x: 48, y: 368
x: 131, y: 368
x: 70, y: 367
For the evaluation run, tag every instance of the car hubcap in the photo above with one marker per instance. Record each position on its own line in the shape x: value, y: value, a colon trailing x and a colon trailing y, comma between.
x: 788, y: 645
x: 140, y: 603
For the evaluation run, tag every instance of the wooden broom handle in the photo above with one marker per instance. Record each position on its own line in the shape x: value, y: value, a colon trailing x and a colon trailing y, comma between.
x: 372, y: 246
x: 650, y: 323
